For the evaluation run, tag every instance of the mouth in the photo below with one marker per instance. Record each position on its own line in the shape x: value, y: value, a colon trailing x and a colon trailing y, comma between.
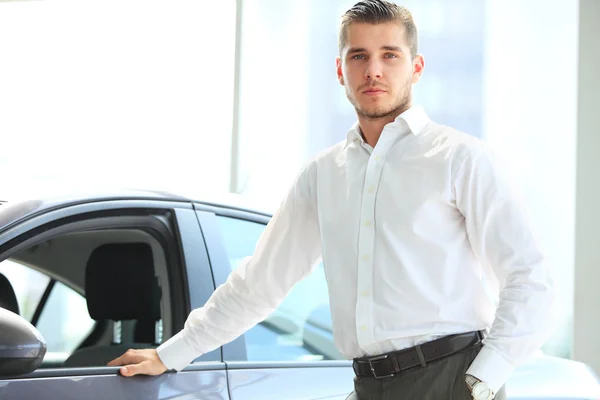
x: 374, y: 92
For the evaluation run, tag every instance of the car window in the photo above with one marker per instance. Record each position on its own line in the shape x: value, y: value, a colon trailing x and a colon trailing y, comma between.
x: 64, y: 321
x: 28, y: 284
x: 94, y: 292
x: 300, y: 329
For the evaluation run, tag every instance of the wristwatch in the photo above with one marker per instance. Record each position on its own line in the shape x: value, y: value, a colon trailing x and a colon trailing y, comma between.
x: 479, y: 390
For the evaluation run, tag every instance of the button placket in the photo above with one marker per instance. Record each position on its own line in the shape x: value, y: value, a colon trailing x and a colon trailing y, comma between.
x: 366, y: 244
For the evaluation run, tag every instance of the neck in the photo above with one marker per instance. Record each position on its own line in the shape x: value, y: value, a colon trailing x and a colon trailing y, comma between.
x: 371, y: 128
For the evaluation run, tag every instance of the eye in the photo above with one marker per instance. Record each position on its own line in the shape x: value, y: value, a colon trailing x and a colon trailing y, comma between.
x: 390, y: 55
x: 358, y: 57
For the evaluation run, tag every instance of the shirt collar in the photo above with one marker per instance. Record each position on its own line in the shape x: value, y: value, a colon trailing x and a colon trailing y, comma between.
x: 415, y: 118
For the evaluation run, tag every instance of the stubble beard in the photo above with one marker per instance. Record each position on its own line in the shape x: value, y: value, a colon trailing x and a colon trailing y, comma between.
x: 401, y: 105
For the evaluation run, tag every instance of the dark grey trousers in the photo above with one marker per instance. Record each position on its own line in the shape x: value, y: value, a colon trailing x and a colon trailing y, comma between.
x: 440, y: 380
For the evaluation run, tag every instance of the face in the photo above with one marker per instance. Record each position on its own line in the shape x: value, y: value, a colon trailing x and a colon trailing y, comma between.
x: 377, y: 70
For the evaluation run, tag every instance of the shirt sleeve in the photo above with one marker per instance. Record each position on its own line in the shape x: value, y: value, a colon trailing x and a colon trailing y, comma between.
x: 503, y: 242
x: 286, y: 252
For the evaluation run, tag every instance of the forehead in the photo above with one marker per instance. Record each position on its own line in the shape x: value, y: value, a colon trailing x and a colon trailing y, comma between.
x: 374, y: 36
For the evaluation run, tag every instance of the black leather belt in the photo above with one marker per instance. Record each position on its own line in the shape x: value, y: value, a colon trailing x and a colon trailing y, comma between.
x: 390, y: 364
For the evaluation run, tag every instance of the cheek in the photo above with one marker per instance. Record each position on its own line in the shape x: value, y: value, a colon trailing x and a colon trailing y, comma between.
x: 401, y: 78
x: 352, y: 76
x: 346, y: 76
x: 399, y: 70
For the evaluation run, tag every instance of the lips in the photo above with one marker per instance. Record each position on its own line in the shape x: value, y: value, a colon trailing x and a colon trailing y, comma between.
x: 374, y: 91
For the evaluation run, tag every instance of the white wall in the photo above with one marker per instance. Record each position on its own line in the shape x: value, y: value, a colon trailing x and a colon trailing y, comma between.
x: 273, y: 97
x: 587, y: 248
x: 134, y: 93
x: 530, y: 118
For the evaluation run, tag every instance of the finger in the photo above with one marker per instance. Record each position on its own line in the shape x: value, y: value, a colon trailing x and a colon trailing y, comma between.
x: 117, y: 361
x: 128, y: 357
x: 131, y: 370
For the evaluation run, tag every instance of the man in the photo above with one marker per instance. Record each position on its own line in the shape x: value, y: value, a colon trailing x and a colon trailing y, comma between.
x: 415, y: 225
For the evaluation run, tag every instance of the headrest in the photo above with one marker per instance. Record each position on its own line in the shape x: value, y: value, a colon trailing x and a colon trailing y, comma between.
x: 8, y: 299
x: 120, y: 283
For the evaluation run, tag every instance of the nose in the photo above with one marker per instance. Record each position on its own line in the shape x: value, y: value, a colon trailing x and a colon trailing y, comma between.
x: 373, y: 70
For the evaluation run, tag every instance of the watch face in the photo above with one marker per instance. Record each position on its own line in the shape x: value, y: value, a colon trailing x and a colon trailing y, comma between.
x: 481, y: 392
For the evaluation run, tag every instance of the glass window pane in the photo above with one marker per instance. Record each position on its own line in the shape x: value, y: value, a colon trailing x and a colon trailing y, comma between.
x: 29, y: 286
x: 65, y: 321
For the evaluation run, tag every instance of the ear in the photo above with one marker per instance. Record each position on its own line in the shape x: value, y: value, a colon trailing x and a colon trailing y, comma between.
x: 340, y: 75
x: 418, y: 67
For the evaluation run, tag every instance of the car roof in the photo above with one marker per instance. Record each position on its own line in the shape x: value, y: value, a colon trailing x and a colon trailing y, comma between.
x: 12, y: 212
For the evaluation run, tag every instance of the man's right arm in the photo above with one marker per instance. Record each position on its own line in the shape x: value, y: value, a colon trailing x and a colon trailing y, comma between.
x: 286, y: 253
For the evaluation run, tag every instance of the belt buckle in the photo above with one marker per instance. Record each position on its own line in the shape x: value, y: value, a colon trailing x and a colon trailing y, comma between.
x: 379, y: 358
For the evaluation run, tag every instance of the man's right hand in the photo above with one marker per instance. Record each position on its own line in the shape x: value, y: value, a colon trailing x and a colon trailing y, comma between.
x: 139, y: 362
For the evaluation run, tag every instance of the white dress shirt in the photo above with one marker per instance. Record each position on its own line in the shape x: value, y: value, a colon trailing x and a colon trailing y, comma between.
x: 420, y: 237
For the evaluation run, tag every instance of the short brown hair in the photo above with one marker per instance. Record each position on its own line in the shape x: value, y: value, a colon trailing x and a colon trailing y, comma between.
x: 378, y: 12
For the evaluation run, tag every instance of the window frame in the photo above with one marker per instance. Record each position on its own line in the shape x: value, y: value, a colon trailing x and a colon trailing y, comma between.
x: 162, y: 219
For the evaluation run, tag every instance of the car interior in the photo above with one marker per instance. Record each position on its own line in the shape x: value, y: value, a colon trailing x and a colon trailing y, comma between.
x: 122, y: 273
x: 8, y: 298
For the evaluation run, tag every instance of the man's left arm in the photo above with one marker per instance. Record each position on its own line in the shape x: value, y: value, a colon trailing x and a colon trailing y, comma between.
x: 502, y: 239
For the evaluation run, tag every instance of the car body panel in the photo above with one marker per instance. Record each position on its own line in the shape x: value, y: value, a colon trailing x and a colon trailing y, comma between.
x: 546, y: 377
x: 199, y: 275
x: 208, y: 383
x: 26, y: 223
x: 236, y: 349
x: 14, y: 212
x: 316, y: 382
x: 22, y: 210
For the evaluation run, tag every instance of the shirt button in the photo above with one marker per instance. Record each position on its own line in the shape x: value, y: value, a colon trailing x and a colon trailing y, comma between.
x: 377, y: 158
x: 371, y: 189
x: 365, y: 257
x: 365, y: 293
x: 368, y: 223
x: 363, y: 328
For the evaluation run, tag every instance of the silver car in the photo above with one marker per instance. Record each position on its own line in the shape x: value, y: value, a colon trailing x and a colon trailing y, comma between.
x: 82, y: 279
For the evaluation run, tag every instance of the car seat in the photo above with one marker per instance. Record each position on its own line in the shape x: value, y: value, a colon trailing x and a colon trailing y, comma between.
x: 120, y: 285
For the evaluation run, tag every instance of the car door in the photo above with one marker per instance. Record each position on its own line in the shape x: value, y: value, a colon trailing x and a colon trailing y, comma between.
x: 291, y: 354
x: 53, y: 237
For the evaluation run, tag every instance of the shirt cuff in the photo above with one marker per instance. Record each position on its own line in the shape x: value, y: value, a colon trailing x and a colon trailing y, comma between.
x: 175, y: 353
x: 491, y: 368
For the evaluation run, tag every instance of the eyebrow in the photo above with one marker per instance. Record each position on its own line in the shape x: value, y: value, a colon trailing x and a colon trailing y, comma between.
x: 363, y: 50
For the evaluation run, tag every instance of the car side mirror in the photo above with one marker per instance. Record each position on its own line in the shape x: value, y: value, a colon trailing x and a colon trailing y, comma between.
x: 22, y: 347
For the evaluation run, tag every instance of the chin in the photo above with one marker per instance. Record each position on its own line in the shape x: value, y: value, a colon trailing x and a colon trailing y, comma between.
x: 380, y: 111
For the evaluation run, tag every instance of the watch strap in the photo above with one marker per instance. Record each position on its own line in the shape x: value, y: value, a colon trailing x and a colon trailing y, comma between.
x: 471, y: 381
